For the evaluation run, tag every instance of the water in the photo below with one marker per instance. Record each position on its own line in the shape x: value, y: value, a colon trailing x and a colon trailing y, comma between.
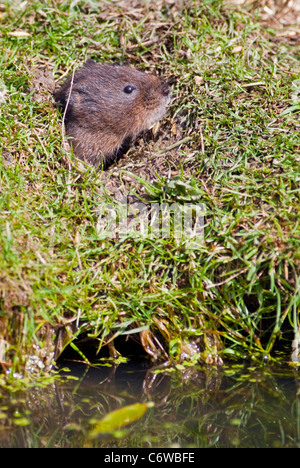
x: 237, y: 406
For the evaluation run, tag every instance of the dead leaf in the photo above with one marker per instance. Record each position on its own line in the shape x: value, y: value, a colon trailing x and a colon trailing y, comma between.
x: 198, y: 80
x: 237, y: 49
x: 19, y: 34
x: 3, y: 92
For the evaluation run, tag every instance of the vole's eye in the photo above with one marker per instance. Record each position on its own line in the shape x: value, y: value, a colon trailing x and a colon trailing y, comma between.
x: 128, y: 89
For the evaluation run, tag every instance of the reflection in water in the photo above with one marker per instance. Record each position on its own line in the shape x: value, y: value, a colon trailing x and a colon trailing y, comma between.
x: 231, y: 407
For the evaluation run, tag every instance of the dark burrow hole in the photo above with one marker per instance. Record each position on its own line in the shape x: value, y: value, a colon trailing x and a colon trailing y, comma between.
x: 128, y: 347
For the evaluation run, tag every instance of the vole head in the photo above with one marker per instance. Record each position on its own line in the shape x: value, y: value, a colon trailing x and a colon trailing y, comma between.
x: 111, y: 102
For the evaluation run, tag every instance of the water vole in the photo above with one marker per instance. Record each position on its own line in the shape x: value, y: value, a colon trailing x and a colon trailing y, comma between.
x: 108, y: 105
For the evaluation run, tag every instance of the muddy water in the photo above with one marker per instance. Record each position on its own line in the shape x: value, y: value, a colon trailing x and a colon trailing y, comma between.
x: 237, y: 406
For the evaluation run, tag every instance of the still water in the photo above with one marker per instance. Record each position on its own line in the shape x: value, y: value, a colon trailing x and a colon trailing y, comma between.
x: 237, y: 406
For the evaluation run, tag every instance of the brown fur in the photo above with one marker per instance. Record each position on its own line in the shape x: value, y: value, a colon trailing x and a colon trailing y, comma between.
x: 101, y: 117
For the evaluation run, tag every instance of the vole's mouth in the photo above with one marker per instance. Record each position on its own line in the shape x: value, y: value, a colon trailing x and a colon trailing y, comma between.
x: 157, y: 114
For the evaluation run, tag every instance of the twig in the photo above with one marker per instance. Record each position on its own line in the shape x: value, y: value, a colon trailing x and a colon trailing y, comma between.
x: 209, y: 286
x: 202, y: 141
x: 178, y: 143
x: 63, y: 125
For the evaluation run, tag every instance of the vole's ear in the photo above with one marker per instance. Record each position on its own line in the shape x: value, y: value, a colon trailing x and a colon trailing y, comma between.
x: 79, y: 88
x: 70, y: 94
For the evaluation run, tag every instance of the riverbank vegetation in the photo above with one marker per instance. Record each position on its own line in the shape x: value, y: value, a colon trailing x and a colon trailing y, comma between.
x: 230, y: 141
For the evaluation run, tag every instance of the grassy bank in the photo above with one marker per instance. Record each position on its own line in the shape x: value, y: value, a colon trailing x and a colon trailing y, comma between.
x: 231, y: 137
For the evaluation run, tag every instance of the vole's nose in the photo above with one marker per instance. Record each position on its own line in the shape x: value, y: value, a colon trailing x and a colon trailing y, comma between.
x: 165, y: 90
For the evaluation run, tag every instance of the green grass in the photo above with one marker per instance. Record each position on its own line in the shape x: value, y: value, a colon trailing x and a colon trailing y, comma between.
x: 235, y: 110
